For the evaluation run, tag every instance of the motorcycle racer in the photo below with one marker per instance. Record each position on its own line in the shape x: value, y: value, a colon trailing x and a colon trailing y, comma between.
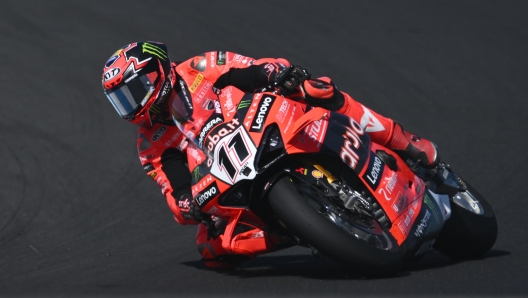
x: 141, y: 81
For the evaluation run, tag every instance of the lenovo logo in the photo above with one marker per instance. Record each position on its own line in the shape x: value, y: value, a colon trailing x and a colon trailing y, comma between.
x: 262, y: 113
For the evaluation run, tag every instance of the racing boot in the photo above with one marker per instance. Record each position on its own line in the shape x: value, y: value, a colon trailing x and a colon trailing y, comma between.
x: 411, y: 146
x: 247, y: 242
x: 213, y: 254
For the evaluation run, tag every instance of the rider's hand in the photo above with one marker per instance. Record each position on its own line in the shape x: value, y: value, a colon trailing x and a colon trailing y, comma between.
x: 196, y: 213
x: 289, y: 79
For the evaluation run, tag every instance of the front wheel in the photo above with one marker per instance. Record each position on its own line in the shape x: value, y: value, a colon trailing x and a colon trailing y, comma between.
x: 362, y: 245
x: 471, y: 230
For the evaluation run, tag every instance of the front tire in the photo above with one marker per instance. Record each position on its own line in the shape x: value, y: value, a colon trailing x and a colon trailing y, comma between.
x: 305, y: 218
x: 471, y: 230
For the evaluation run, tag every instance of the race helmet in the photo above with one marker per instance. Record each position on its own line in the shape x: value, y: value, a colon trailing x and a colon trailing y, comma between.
x: 137, y: 79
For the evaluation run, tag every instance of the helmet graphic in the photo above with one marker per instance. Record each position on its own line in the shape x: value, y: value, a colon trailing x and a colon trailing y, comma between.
x: 136, y: 80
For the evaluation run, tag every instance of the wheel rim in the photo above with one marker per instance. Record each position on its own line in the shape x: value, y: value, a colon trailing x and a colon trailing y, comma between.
x: 366, y: 229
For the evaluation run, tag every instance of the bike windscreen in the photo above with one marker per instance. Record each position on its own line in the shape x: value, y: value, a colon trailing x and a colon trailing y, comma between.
x: 181, y: 109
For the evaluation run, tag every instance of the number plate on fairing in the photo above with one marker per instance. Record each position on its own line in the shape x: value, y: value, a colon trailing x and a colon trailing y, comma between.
x: 233, y: 153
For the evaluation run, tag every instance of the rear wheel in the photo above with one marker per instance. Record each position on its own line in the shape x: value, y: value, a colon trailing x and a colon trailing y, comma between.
x: 358, y: 242
x: 472, y: 228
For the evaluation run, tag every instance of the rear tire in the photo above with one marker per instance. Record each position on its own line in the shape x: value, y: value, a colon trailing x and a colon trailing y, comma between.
x: 467, y: 234
x: 302, y: 217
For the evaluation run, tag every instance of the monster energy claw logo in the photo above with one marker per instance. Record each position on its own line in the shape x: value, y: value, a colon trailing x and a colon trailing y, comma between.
x: 154, y: 50
x: 155, y: 109
x: 244, y: 104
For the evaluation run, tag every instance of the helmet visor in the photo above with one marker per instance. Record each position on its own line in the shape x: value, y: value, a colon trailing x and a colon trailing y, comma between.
x: 130, y: 97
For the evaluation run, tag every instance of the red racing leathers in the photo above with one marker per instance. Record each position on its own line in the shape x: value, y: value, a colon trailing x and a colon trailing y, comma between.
x: 163, y: 148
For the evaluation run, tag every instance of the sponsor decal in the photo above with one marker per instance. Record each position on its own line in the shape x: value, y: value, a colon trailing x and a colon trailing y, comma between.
x: 262, y: 113
x: 233, y: 151
x: 212, y: 58
x: 420, y: 229
x: 155, y: 109
x: 281, y: 114
x: 218, y: 107
x: 202, y: 183
x: 199, y: 63
x: 195, y: 154
x: 184, y: 204
x: 317, y: 174
x: 302, y: 171
x: 111, y: 73
x: 411, y: 211
x: 201, y: 94
x: 229, y: 100
x: 316, y: 131
x: 186, y: 95
x: 229, y: 107
x: 174, y: 137
x: 221, y: 58
x: 148, y: 167
x: 208, y: 104
x: 403, y: 228
x: 391, y: 183
x: 196, y: 83
x: 374, y: 170
x: 157, y: 135
x: 434, y: 207
x: 291, y: 118
x: 196, y: 174
x: 259, y: 234
x: 153, y: 175
x: 154, y: 50
x: 207, y: 194
x: 407, y: 219
x: 370, y: 123
x: 348, y: 153
x: 399, y: 203
x: 113, y: 58
x: 206, y: 128
x: 244, y: 104
x: 166, y: 89
x: 131, y: 78
x: 268, y: 69
x: 224, y: 131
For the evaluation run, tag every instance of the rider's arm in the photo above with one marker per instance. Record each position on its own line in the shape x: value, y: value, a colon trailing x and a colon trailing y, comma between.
x: 166, y: 166
x: 178, y: 189
x: 248, y: 74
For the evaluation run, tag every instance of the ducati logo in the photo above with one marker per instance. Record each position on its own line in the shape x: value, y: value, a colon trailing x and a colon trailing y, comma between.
x: 370, y: 123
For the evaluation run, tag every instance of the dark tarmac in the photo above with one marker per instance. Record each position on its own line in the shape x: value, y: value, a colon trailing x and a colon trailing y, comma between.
x: 79, y: 217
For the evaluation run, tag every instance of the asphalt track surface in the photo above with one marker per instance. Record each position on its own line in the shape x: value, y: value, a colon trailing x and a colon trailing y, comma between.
x: 78, y: 216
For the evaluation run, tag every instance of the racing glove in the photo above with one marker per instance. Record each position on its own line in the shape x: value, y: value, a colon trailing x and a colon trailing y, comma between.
x: 196, y: 213
x: 288, y: 80
x: 322, y: 92
x: 188, y: 208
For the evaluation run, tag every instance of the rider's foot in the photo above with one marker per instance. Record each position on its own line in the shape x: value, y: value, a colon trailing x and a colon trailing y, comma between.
x: 412, y: 146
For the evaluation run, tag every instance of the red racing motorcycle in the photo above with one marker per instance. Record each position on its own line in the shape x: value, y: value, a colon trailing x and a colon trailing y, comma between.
x: 313, y: 177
